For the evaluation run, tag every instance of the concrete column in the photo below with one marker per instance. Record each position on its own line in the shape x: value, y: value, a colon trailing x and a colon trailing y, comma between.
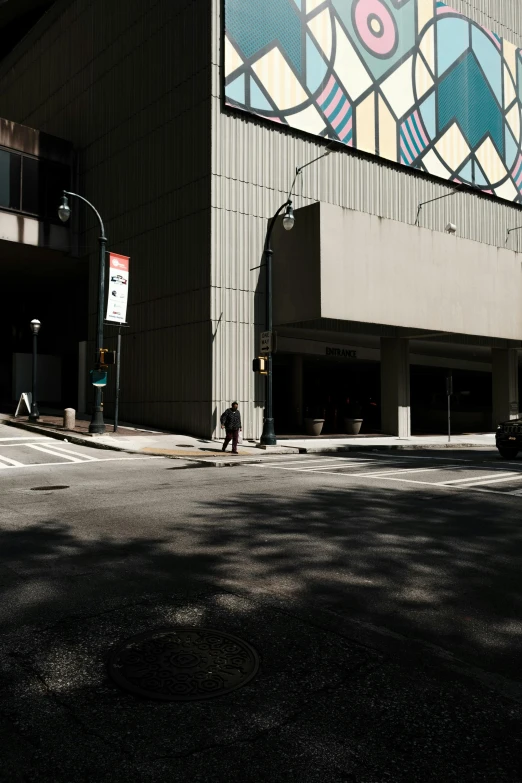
x: 395, y: 386
x: 297, y: 390
x: 505, y: 384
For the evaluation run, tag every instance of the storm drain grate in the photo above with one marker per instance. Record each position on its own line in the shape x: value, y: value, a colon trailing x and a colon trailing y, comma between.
x: 182, y: 664
x: 48, y: 489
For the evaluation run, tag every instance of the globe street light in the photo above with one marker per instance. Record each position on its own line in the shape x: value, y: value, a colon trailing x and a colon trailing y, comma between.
x: 35, y: 328
x: 97, y: 425
x: 268, y: 436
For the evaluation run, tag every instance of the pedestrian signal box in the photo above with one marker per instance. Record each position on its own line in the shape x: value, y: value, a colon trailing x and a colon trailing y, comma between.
x: 259, y: 365
x: 105, y: 357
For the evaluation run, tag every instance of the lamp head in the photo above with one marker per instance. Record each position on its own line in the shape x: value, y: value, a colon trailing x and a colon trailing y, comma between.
x: 289, y: 219
x: 451, y: 228
x: 64, y: 210
x: 35, y: 326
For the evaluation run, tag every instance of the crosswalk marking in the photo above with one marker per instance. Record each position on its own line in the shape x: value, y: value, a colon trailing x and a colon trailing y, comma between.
x: 54, y: 453
x: 509, y: 477
x: 480, y: 479
x: 11, y: 463
x: 23, y: 437
x: 61, y: 450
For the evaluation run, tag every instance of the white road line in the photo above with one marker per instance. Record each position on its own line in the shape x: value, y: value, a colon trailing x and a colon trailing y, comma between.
x: 21, y: 445
x: 481, y: 479
x: 79, y: 462
x: 24, y: 437
x: 62, y: 450
x: 11, y: 463
x: 510, y: 477
x: 326, y: 460
x: 378, y: 474
x: 54, y: 453
x: 412, y: 456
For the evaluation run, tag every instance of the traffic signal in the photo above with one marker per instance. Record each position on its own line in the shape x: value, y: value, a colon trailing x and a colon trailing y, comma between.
x: 104, y: 358
x: 259, y: 365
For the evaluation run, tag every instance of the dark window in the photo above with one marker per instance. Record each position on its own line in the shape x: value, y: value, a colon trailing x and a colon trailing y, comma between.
x: 32, y: 186
x: 9, y: 179
x: 56, y: 181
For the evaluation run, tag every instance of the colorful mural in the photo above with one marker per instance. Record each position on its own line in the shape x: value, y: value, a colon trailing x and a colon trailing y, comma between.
x: 412, y: 81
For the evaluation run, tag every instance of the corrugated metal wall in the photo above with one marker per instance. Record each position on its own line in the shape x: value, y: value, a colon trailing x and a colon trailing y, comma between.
x: 252, y: 168
x: 128, y: 82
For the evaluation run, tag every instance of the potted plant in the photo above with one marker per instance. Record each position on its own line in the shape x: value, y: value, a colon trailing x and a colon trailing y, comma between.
x: 353, y: 418
x: 314, y: 421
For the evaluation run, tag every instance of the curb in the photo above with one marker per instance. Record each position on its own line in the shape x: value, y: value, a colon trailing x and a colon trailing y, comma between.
x: 93, y: 442
x: 201, y: 462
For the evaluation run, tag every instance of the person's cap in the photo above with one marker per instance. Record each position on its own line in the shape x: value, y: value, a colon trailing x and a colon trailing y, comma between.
x: 234, y: 403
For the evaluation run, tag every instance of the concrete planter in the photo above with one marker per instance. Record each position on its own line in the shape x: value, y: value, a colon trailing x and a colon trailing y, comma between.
x: 314, y: 427
x: 353, y: 426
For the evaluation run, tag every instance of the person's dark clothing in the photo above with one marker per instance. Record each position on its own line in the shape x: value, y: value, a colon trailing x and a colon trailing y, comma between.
x: 231, y: 420
x: 232, y: 435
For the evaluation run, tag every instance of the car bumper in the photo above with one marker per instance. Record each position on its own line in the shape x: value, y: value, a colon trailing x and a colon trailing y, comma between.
x: 508, y: 440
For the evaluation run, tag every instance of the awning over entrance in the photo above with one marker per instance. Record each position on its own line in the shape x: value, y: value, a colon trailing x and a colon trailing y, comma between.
x: 346, y: 265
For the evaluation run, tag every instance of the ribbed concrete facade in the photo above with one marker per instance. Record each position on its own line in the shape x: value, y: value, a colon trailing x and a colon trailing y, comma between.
x: 253, y: 163
x: 186, y: 187
x: 128, y: 83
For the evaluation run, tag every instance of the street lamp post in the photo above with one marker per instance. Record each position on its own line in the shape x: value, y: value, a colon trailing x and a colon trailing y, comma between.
x: 35, y: 413
x: 268, y: 436
x: 97, y: 424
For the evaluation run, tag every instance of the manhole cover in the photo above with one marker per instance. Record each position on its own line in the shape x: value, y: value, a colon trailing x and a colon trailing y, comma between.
x: 182, y: 664
x: 48, y: 489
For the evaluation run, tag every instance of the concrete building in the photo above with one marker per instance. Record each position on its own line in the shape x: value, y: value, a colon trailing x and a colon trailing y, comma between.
x: 185, y: 121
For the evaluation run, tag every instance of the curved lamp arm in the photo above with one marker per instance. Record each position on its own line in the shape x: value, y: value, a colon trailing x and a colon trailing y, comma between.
x: 77, y: 195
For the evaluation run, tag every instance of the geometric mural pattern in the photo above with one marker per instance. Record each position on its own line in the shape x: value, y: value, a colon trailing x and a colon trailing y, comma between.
x: 412, y: 81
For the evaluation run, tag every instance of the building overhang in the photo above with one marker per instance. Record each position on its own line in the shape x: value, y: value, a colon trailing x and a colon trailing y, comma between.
x: 343, y: 265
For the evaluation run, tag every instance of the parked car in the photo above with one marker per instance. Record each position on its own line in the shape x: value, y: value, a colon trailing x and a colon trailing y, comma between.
x: 509, y: 438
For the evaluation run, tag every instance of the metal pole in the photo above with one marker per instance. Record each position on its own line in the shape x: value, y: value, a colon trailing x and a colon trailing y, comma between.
x: 34, y: 415
x: 117, y: 400
x: 268, y: 438
x: 97, y: 424
x: 449, y: 418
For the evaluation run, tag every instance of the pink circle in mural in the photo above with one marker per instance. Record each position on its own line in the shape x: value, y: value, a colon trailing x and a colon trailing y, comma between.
x: 375, y: 27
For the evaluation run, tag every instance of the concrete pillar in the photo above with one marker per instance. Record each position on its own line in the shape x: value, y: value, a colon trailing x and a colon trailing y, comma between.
x: 297, y: 390
x: 395, y: 386
x: 505, y: 384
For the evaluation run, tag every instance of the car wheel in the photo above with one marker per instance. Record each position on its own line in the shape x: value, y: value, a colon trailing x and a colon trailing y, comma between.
x: 507, y: 453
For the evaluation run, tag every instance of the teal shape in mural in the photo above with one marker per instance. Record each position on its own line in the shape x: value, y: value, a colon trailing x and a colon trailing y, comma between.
x: 511, y: 148
x: 316, y: 67
x: 322, y: 51
x: 258, y: 99
x: 236, y: 89
x: 480, y: 177
x: 395, y: 25
x: 428, y: 114
x: 452, y: 42
x: 466, y: 172
x: 490, y: 60
x: 256, y: 25
x: 477, y: 116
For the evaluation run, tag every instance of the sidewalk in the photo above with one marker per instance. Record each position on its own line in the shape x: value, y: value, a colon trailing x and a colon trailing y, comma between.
x: 138, y: 440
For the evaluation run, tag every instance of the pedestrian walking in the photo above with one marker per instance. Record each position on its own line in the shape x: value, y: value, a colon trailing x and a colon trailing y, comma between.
x: 231, y: 423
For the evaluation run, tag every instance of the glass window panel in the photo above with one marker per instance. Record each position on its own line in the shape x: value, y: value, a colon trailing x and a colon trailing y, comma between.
x: 9, y: 179
x: 32, y: 186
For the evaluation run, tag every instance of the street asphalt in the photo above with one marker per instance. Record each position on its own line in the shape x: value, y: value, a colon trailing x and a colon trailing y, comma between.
x: 382, y: 593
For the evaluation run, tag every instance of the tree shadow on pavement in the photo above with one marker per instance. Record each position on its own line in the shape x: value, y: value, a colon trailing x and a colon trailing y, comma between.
x: 430, y: 566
